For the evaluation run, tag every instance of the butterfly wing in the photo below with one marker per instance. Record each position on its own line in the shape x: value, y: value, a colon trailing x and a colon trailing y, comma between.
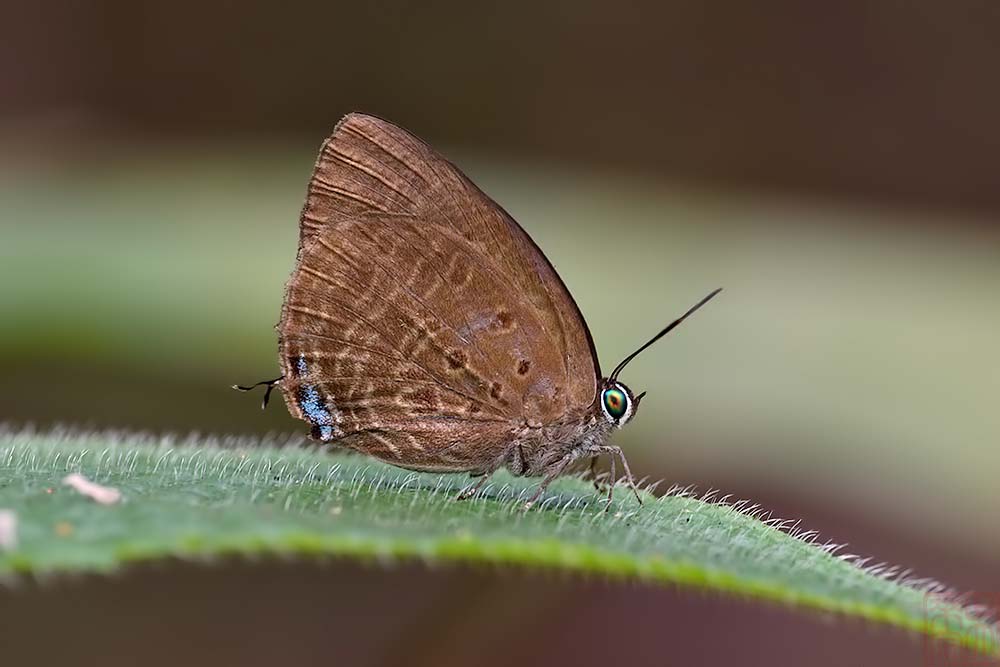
x: 421, y: 321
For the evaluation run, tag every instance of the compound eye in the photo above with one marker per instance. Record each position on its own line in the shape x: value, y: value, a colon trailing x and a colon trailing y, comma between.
x: 615, y: 402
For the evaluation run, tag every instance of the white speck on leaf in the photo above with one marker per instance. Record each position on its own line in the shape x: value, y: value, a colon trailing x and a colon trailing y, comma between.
x: 8, y: 530
x: 105, y: 495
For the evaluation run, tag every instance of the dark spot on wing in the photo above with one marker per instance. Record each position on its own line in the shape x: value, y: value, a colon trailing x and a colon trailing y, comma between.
x: 298, y: 365
x: 457, y: 359
x: 496, y: 390
x: 523, y: 367
x: 321, y: 432
x: 504, y: 320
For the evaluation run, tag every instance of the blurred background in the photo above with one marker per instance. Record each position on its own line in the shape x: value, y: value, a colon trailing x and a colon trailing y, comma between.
x: 834, y: 167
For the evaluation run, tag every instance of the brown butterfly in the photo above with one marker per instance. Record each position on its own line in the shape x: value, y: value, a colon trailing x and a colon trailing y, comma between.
x: 423, y: 326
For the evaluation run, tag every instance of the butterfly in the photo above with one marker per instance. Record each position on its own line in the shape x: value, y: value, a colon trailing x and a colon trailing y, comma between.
x: 422, y: 326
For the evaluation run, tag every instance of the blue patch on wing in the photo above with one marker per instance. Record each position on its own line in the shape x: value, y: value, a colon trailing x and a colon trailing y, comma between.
x: 313, y: 406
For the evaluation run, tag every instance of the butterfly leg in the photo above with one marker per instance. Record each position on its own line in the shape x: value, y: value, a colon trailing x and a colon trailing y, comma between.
x: 554, y: 471
x: 513, y: 458
x: 612, y: 480
x: 615, y: 450
x: 595, y: 476
x: 473, y: 489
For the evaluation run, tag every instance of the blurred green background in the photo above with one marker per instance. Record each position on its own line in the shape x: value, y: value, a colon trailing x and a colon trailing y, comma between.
x: 834, y: 168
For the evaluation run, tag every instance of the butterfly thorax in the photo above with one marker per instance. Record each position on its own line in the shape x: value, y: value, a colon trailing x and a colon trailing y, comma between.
x: 544, y: 447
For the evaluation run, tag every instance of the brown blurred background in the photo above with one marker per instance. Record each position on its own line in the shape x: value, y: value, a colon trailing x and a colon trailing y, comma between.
x: 834, y: 167
x: 893, y: 102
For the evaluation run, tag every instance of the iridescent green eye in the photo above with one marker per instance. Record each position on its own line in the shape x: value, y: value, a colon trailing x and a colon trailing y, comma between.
x: 615, y: 402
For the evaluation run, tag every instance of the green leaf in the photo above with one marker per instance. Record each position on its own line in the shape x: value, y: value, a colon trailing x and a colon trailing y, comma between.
x: 209, y: 498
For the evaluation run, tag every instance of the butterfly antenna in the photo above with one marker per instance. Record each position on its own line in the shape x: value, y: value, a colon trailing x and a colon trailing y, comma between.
x: 667, y: 329
x: 267, y: 393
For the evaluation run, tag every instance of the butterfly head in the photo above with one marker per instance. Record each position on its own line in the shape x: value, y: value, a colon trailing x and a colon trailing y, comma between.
x: 618, y: 403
